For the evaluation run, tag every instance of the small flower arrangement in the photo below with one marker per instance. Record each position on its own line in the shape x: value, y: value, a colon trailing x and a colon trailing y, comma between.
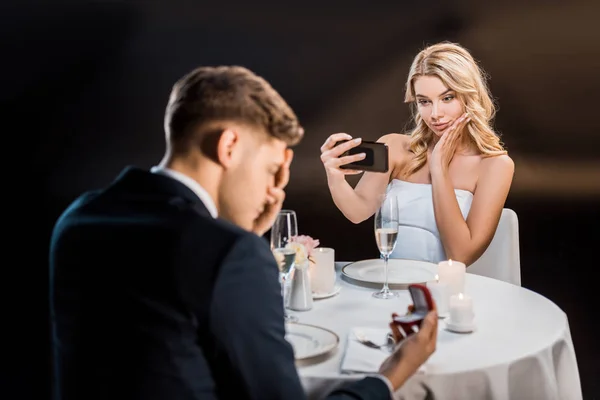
x: 304, y: 247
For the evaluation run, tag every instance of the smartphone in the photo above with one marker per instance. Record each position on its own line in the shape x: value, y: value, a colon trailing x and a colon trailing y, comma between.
x: 423, y: 303
x: 376, y: 157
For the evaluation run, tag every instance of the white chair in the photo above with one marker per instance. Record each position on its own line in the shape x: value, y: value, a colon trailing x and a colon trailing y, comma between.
x: 501, y: 260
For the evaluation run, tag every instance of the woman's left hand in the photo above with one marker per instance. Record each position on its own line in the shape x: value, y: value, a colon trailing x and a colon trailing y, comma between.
x: 443, y: 151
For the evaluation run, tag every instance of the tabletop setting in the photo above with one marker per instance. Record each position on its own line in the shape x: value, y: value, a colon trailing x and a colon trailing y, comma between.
x: 496, y: 339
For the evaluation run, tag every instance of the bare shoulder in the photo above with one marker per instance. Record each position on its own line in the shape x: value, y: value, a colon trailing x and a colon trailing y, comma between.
x: 399, y: 143
x: 399, y: 149
x: 501, y: 164
x: 395, y: 139
x: 496, y: 172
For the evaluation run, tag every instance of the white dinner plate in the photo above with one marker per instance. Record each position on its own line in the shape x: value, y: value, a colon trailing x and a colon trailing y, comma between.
x: 309, y: 340
x: 400, y: 271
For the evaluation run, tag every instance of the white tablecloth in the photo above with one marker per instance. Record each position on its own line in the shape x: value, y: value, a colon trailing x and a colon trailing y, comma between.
x: 521, y: 349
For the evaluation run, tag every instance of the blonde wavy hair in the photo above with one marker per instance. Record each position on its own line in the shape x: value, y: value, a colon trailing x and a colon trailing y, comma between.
x: 457, y: 69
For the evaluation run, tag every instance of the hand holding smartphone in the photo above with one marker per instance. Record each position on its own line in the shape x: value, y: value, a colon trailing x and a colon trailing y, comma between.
x: 376, y: 157
x: 422, y: 304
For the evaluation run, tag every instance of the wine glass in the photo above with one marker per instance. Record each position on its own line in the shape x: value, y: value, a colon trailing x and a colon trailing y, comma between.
x: 282, y: 232
x: 386, y: 235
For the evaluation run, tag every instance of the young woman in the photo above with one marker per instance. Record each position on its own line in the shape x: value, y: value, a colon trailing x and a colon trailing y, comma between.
x: 450, y: 174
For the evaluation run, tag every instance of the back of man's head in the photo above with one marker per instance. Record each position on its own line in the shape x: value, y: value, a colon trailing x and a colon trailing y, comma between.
x: 206, y: 99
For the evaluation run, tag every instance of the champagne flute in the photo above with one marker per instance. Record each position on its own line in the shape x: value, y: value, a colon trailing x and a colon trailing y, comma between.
x: 386, y: 235
x: 284, y: 229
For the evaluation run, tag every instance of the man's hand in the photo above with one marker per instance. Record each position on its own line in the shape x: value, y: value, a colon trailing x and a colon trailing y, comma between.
x: 275, y: 197
x: 412, y: 352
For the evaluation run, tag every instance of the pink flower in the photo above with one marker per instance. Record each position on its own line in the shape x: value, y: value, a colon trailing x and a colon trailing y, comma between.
x: 309, y: 243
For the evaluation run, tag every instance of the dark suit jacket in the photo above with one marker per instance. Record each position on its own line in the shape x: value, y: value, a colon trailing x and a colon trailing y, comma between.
x: 152, y: 298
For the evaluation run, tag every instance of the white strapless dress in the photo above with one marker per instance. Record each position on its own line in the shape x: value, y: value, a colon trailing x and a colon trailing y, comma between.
x: 418, y: 235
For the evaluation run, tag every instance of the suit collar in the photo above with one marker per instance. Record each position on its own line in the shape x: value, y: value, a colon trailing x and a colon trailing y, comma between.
x: 147, y: 183
x: 191, y: 184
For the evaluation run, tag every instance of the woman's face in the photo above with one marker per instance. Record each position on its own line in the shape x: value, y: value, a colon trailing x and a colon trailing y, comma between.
x: 437, y: 104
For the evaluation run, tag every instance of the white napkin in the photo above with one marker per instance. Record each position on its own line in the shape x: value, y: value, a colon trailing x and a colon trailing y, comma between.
x: 362, y: 359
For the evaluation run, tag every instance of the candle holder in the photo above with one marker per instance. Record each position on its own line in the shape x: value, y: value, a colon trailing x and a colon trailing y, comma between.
x: 461, y: 318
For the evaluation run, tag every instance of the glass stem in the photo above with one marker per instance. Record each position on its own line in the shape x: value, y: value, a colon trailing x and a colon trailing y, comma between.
x: 385, y: 263
x: 283, y: 290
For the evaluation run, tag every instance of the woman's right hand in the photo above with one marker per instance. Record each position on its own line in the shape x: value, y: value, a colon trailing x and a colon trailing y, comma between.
x: 330, y: 155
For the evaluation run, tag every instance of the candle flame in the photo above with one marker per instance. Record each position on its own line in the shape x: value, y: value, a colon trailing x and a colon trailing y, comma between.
x: 437, y: 278
x: 460, y: 296
x: 450, y: 262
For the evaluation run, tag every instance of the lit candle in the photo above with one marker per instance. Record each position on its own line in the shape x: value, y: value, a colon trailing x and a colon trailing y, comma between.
x: 461, y: 310
x: 453, y: 273
x: 439, y: 292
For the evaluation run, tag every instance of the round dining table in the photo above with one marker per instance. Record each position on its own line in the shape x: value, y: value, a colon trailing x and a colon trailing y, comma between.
x: 521, y: 347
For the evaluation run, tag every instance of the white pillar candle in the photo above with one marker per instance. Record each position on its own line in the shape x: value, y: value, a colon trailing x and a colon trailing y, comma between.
x: 322, y: 270
x: 461, y: 309
x: 453, y: 274
x: 441, y: 295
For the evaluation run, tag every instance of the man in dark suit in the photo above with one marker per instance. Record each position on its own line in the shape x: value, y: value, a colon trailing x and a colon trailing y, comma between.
x: 161, y: 286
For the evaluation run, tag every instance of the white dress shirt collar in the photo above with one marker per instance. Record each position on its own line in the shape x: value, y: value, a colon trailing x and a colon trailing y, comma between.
x: 192, y: 185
